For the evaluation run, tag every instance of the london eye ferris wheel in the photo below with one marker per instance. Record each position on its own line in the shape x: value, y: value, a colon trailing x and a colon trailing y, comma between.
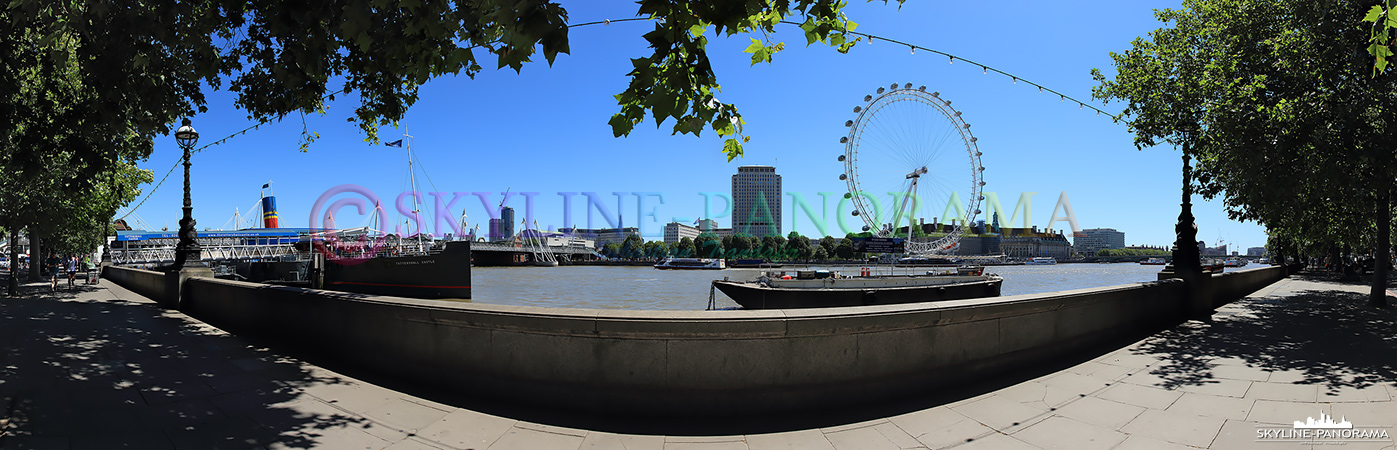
x: 910, y: 148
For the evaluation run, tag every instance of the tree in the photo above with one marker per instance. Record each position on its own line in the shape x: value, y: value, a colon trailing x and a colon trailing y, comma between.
x: 741, y: 244
x: 820, y: 254
x: 707, y: 245
x: 291, y: 58
x: 1264, y: 95
x: 798, y: 247
x: 772, y: 246
x: 685, y: 249
x: 828, y: 243
x: 611, y: 250
x: 1384, y: 21
x: 633, y: 247
x: 845, y: 249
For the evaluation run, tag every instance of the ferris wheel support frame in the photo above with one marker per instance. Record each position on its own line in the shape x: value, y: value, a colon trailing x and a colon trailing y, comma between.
x: 862, y: 208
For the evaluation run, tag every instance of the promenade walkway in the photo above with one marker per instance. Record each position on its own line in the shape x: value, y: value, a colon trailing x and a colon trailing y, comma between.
x: 101, y: 367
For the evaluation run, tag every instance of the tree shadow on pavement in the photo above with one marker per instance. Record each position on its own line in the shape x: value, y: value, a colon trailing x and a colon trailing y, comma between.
x: 85, y: 368
x: 1328, y: 337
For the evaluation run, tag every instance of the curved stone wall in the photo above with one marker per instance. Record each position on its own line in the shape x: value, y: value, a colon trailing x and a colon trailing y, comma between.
x: 688, y: 362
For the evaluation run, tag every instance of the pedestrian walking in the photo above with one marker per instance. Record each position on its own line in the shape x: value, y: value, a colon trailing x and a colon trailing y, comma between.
x: 54, y: 265
x: 72, y: 270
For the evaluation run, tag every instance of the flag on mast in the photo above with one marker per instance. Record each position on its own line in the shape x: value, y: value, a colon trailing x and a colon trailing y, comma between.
x: 397, y: 143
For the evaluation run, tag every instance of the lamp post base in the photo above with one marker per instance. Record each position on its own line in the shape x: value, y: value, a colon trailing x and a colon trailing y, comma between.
x: 174, y: 283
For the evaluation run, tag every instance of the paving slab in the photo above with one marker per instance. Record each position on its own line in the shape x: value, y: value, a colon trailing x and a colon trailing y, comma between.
x: 173, y: 382
x: 866, y: 438
x: 1285, y: 413
x: 1138, y: 442
x: 1066, y: 434
x: 1212, y: 406
x: 1146, y: 396
x: 597, y: 440
x: 467, y: 429
x: 940, y: 427
x: 519, y: 438
x: 1100, y: 412
x: 791, y: 440
x: 1288, y: 392
x: 1179, y: 428
x: 997, y: 441
x: 1000, y: 413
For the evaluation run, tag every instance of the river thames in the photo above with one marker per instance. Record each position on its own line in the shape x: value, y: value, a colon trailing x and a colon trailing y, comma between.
x: 643, y: 287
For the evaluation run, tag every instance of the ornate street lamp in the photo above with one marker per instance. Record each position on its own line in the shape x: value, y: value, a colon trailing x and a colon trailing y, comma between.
x: 1186, y: 264
x: 1186, y: 257
x: 187, y: 252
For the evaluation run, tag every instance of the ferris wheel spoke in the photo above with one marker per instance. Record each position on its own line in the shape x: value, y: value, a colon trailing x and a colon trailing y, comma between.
x: 897, y: 133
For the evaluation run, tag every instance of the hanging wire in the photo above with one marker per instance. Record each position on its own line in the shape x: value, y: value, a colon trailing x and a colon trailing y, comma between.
x: 870, y: 37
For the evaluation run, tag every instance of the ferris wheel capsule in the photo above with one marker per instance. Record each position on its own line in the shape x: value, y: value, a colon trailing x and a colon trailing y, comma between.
x: 892, y: 156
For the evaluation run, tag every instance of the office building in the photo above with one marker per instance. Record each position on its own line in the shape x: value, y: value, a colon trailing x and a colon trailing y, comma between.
x: 602, y: 236
x: 675, y: 231
x: 502, y: 229
x: 1256, y: 251
x: 1091, y: 240
x: 756, y: 200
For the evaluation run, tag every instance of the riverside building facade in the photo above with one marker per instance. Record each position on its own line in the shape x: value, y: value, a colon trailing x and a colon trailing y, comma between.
x: 756, y: 200
x: 675, y: 231
x: 1091, y: 240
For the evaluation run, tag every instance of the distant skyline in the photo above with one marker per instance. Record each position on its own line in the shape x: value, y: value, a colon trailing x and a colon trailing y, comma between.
x: 543, y: 136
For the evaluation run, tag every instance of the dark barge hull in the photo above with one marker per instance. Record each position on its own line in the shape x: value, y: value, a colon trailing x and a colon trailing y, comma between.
x: 446, y: 274
x: 753, y: 296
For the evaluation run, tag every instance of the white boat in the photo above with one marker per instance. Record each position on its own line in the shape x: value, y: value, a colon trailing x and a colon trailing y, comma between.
x: 1153, y: 262
x: 1234, y: 263
x: 1041, y: 261
x: 692, y: 264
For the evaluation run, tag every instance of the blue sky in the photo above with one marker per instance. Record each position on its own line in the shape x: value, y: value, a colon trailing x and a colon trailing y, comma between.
x: 545, y: 130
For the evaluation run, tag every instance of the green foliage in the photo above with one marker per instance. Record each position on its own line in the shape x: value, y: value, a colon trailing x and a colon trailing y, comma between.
x: 1384, y: 20
x: 799, y: 247
x: 828, y: 243
x: 845, y: 249
x: 820, y: 254
x: 707, y: 245
x: 1132, y: 252
x: 685, y: 248
x: 677, y: 80
x: 1264, y: 95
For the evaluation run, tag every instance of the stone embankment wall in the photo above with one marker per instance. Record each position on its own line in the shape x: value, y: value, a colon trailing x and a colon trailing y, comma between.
x: 691, y: 362
x: 148, y: 283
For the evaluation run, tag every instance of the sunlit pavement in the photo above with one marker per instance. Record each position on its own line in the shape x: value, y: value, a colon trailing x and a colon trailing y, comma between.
x: 101, y: 367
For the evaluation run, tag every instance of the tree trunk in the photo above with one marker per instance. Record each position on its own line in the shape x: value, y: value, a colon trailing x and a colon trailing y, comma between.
x: 1378, y: 297
x: 36, y: 256
x: 14, y: 263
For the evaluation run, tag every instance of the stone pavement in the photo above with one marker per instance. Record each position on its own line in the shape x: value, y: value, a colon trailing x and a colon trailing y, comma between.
x: 101, y: 367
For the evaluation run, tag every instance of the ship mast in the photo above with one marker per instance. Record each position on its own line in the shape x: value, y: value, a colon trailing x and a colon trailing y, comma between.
x: 412, y: 178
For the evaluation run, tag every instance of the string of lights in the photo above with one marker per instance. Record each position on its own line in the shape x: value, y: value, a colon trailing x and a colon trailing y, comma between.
x: 868, y: 37
x: 179, y: 160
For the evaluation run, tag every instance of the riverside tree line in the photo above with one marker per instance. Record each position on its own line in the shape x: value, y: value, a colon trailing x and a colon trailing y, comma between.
x: 793, y: 247
x: 1279, y: 104
x: 90, y: 84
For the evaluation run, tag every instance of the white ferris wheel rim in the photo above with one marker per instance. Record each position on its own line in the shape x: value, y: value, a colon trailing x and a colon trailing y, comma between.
x: 874, y: 104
